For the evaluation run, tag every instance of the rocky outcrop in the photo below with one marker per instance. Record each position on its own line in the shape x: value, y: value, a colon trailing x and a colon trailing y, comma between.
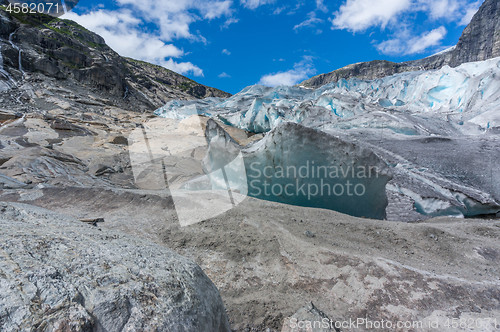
x: 59, y: 274
x: 479, y: 41
x: 64, y: 50
x: 481, y: 38
x: 377, y: 69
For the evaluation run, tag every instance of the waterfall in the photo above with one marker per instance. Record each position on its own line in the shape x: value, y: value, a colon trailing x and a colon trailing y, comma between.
x: 65, y: 9
x: 1, y: 60
x: 19, y: 50
x: 125, y: 95
x: 6, y: 80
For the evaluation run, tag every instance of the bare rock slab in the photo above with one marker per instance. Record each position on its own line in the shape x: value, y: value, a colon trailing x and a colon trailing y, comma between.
x: 59, y: 274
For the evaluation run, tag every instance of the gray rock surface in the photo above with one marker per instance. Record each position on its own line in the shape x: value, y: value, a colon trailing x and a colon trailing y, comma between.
x: 62, y: 148
x: 479, y: 41
x: 260, y: 255
x: 58, y: 274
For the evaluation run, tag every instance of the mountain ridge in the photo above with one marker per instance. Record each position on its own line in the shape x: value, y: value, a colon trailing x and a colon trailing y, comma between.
x: 64, y: 50
x: 480, y: 40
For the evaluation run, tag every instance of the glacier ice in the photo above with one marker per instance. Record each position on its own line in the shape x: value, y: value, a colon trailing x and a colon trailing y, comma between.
x: 436, y: 131
x: 303, y: 166
x: 458, y: 96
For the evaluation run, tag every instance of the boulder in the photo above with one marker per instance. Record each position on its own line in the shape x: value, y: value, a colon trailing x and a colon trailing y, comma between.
x: 61, y: 274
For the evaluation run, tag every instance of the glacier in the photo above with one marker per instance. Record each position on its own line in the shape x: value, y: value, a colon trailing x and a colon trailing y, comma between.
x: 402, y: 103
x: 436, y: 131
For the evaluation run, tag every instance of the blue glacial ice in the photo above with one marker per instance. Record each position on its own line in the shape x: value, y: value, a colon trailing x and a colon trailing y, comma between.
x: 465, y: 98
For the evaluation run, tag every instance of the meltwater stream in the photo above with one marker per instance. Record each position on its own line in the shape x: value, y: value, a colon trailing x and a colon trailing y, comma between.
x: 6, y: 81
x: 20, y: 67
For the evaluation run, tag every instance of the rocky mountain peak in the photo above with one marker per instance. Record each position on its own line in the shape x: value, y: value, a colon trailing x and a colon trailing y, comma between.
x: 481, y: 38
x: 479, y: 41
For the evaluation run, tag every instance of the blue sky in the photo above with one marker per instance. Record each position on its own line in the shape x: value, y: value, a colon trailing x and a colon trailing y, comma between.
x: 230, y: 44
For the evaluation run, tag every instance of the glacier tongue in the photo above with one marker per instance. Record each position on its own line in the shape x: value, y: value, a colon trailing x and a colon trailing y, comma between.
x: 436, y: 131
x: 311, y: 168
x: 458, y: 96
x: 302, y: 166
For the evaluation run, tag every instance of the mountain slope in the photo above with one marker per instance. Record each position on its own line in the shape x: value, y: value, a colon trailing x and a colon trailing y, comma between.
x: 481, y: 38
x: 479, y: 41
x: 64, y: 50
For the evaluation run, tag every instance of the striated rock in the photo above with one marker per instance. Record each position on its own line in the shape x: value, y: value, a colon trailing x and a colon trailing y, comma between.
x: 61, y: 124
x: 60, y: 274
x: 7, y: 182
x: 266, y: 267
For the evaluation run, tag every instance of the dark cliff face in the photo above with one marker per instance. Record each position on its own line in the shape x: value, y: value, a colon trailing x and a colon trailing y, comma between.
x: 479, y: 41
x: 481, y: 38
x: 64, y: 50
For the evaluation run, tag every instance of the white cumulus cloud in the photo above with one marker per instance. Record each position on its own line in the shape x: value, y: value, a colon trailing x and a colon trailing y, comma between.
x: 359, y: 15
x: 121, y: 32
x: 124, y: 28
x: 470, y: 10
x: 228, y: 22
x: 405, y: 44
x: 301, y: 71
x: 173, y: 18
x: 253, y: 4
x: 460, y: 11
x: 311, y: 21
x: 181, y: 67
x: 320, y: 5
x: 398, y: 18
